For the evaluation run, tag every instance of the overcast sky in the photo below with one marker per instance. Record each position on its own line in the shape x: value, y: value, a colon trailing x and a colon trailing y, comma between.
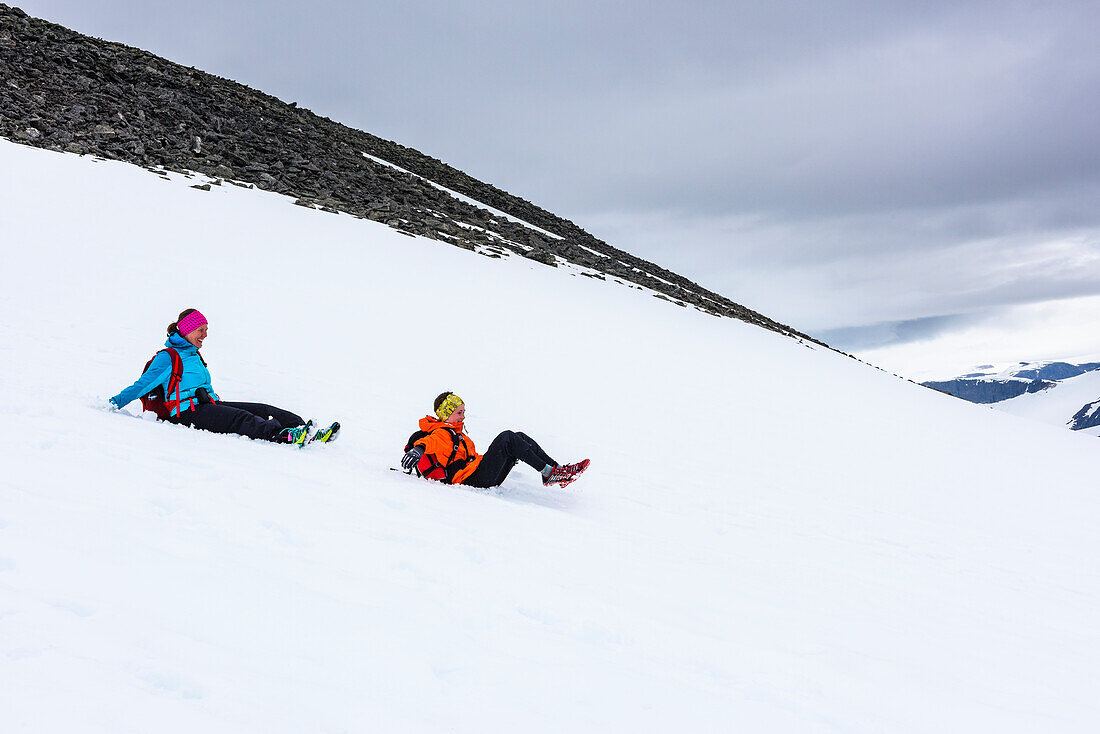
x: 918, y: 183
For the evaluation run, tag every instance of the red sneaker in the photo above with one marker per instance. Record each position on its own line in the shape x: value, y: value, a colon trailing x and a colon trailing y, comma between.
x: 557, y: 474
x: 566, y: 474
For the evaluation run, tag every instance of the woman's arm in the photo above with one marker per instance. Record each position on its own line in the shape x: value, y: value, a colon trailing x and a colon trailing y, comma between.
x: 157, y: 374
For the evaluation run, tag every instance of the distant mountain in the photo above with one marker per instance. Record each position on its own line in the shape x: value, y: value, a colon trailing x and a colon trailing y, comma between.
x: 1086, y: 417
x: 1059, y: 393
x: 988, y: 391
x: 988, y: 386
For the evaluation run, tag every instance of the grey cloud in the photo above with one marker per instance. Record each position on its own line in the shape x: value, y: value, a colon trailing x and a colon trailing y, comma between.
x: 861, y: 271
x: 893, y: 333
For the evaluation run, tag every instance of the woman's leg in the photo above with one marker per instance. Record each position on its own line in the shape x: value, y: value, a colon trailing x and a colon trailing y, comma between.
x: 226, y: 418
x: 284, y: 418
x: 503, y: 453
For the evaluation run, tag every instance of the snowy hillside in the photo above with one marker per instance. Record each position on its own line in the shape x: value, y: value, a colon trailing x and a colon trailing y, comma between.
x: 771, y: 538
x: 1060, y: 403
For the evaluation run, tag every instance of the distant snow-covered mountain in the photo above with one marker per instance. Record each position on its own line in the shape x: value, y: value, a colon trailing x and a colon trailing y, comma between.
x: 988, y: 385
x: 1061, y: 393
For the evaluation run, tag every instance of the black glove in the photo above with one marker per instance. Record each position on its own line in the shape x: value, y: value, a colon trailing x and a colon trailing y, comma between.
x: 412, y: 458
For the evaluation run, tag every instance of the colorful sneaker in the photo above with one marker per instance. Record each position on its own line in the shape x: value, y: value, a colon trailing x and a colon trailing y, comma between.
x: 572, y: 471
x: 557, y: 474
x: 296, y: 436
x: 326, y: 435
x: 565, y: 474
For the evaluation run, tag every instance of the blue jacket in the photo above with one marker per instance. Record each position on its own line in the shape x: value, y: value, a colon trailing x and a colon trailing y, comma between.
x: 195, y: 375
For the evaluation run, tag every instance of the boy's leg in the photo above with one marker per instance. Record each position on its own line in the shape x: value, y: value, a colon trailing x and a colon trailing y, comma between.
x: 502, y: 454
x: 527, y: 445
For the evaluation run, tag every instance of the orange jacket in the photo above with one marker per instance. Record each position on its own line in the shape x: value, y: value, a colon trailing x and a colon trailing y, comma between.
x: 439, y: 444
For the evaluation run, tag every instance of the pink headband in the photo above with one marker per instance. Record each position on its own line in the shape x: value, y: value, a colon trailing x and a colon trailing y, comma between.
x: 190, y: 322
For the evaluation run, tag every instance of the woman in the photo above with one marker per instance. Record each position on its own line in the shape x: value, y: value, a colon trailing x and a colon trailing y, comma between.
x: 184, y: 395
x: 441, y: 450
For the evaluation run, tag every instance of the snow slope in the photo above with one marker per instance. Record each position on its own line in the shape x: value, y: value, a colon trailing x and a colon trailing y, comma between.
x: 771, y: 538
x: 463, y: 197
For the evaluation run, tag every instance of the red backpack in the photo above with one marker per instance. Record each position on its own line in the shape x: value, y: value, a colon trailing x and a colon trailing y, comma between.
x: 155, y: 400
x: 430, y: 468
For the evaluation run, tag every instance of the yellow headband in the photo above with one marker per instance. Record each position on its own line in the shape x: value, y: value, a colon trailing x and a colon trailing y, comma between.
x: 448, y: 406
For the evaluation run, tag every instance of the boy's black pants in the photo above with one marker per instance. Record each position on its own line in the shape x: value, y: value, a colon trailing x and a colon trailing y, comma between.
x: 503, y: 453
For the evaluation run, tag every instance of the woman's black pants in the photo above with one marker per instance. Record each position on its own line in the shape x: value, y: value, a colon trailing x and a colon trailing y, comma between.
x: 503, y: 453
x: 255, y: 420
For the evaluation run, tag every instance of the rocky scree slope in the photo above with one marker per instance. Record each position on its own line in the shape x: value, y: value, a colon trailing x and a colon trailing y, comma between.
x: 65, y: 91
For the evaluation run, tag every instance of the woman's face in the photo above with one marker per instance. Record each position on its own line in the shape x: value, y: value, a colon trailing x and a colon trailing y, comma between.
x: 196, y: 336
x: 458, y: 415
